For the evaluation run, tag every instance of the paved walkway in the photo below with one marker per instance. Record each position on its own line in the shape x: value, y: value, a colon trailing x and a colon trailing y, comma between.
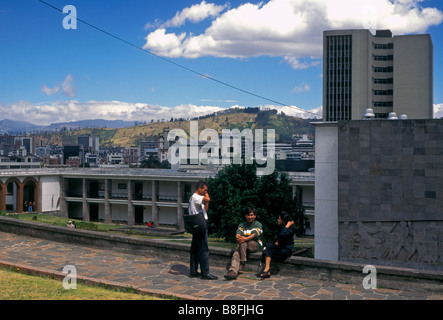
x: 152, y: 275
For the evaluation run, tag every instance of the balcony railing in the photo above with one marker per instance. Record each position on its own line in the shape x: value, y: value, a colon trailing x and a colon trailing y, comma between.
x: 122, y: 196
x: 118, y: 196
x: 167, y: 198
x: 142, y: 196
x: 74, y: 194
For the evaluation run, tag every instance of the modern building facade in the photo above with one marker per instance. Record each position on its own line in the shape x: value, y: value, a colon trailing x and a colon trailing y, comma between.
x: 383, y: 72
x: 120, y: 195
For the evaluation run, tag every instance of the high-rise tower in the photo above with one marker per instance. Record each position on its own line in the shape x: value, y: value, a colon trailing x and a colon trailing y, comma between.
x: 383, y: 72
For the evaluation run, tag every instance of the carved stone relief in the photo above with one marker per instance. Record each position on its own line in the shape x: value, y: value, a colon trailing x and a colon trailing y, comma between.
x: 416, y: 243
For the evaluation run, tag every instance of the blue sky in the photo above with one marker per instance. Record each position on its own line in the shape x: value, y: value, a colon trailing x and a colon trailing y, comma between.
x: 271, y: 48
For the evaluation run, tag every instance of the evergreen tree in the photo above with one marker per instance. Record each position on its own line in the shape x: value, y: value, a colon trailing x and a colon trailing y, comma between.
x: 237, y: 187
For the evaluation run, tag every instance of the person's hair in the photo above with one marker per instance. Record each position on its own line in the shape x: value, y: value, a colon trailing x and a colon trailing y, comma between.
x: 285, y: 217
x: 201, y: 184
x: 249, y: 209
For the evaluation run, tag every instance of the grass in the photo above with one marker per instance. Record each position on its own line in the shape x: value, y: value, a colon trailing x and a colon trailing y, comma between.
x: 19, y: 286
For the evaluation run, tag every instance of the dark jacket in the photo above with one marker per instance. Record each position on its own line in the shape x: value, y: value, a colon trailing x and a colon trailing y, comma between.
x: 286, y: 239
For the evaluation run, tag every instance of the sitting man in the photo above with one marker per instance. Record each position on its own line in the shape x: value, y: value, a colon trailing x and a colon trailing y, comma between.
x: 248, y: 237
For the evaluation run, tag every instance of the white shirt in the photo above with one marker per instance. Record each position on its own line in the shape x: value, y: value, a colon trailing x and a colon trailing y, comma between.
x: 196, y: 205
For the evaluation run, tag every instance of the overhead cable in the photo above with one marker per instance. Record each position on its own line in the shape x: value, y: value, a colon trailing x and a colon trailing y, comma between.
x: 175, y: 63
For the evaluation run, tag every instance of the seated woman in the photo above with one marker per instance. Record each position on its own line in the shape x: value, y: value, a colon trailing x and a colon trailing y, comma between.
x: 248, y: 237
x: 282, y: 248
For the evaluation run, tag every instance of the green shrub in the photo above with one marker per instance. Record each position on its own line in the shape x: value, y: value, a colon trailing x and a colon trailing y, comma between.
x: 86, y: 226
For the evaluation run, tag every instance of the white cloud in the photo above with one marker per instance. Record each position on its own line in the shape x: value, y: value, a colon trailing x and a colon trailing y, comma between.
x: 166, y: 43
x: 438, y: 111
x: 303, y: 87
x: 296, y: 64
x: 288, y: 28
x: 65, y: 111
x: 67, y: 86
x: 49, y: 91
x: 295, y: 111
x: 195, y: 13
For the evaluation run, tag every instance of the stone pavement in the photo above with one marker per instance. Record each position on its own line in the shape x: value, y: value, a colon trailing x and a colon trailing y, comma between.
x: 170, y: 278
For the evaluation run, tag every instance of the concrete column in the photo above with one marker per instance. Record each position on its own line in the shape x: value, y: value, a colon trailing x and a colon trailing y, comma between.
x: 154, y: 202
x: 131, y: 217
x: 108, y: 217
x: 85, y: 210
x: 20, y: 200
x: 180, y: 222
x: 39, y: 196
x: 326, y: 191
x: 63, y: 205
x: 2, y: 197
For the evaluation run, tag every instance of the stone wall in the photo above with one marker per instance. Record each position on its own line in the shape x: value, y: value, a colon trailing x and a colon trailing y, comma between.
x: 390, y: 192
x: 343, y: 272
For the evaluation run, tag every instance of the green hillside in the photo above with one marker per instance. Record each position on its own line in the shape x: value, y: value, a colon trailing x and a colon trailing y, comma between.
x: 285, y: 127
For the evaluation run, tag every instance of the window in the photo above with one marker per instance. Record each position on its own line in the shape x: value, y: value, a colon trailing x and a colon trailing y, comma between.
x: 386, y: 46
x: 388, y: 104
x: 384, y: 81
x: 383, y: 92
x: 384, y: 58
x: 383, y: 69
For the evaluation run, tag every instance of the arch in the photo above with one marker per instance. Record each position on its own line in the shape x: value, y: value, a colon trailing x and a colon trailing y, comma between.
x: 31, y: 192
x: 15, y: 194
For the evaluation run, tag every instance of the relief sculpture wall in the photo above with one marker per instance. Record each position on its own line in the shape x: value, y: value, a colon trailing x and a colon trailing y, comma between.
x: 390, y: 192
x: 402, y: 243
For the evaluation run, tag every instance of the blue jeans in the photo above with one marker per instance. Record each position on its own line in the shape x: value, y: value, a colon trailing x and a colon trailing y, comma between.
x: 199, y: 254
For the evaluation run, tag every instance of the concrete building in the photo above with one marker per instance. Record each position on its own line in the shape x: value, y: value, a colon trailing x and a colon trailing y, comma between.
x: 131, y: 155
x: 26, y: 142
x: 90, y: 143
x: 383, y: 72
x: 124, y: 195
x: 379, y: 192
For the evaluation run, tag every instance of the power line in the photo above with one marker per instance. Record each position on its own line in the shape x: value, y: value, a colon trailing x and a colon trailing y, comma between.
x: 177, y: 64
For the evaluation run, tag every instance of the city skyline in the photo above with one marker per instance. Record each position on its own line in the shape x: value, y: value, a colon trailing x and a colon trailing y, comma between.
x: 197, y: 57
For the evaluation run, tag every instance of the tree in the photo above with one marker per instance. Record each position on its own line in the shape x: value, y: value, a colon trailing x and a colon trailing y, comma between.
x: 231, y: 191
x: 152, y: 162
x: 237, y: 187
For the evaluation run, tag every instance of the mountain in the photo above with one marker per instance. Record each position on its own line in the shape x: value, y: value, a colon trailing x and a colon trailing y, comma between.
x: 94, y: 123
x: 129, y: 133
x: 285, y: 127
x: 13, y: 127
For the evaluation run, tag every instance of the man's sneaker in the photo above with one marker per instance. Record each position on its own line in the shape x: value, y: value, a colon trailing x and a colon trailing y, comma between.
x: 231, y: 275
x: 209, y: 277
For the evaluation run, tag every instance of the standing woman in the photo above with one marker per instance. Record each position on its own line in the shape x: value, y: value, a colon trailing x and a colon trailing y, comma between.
x: 282, y: 248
